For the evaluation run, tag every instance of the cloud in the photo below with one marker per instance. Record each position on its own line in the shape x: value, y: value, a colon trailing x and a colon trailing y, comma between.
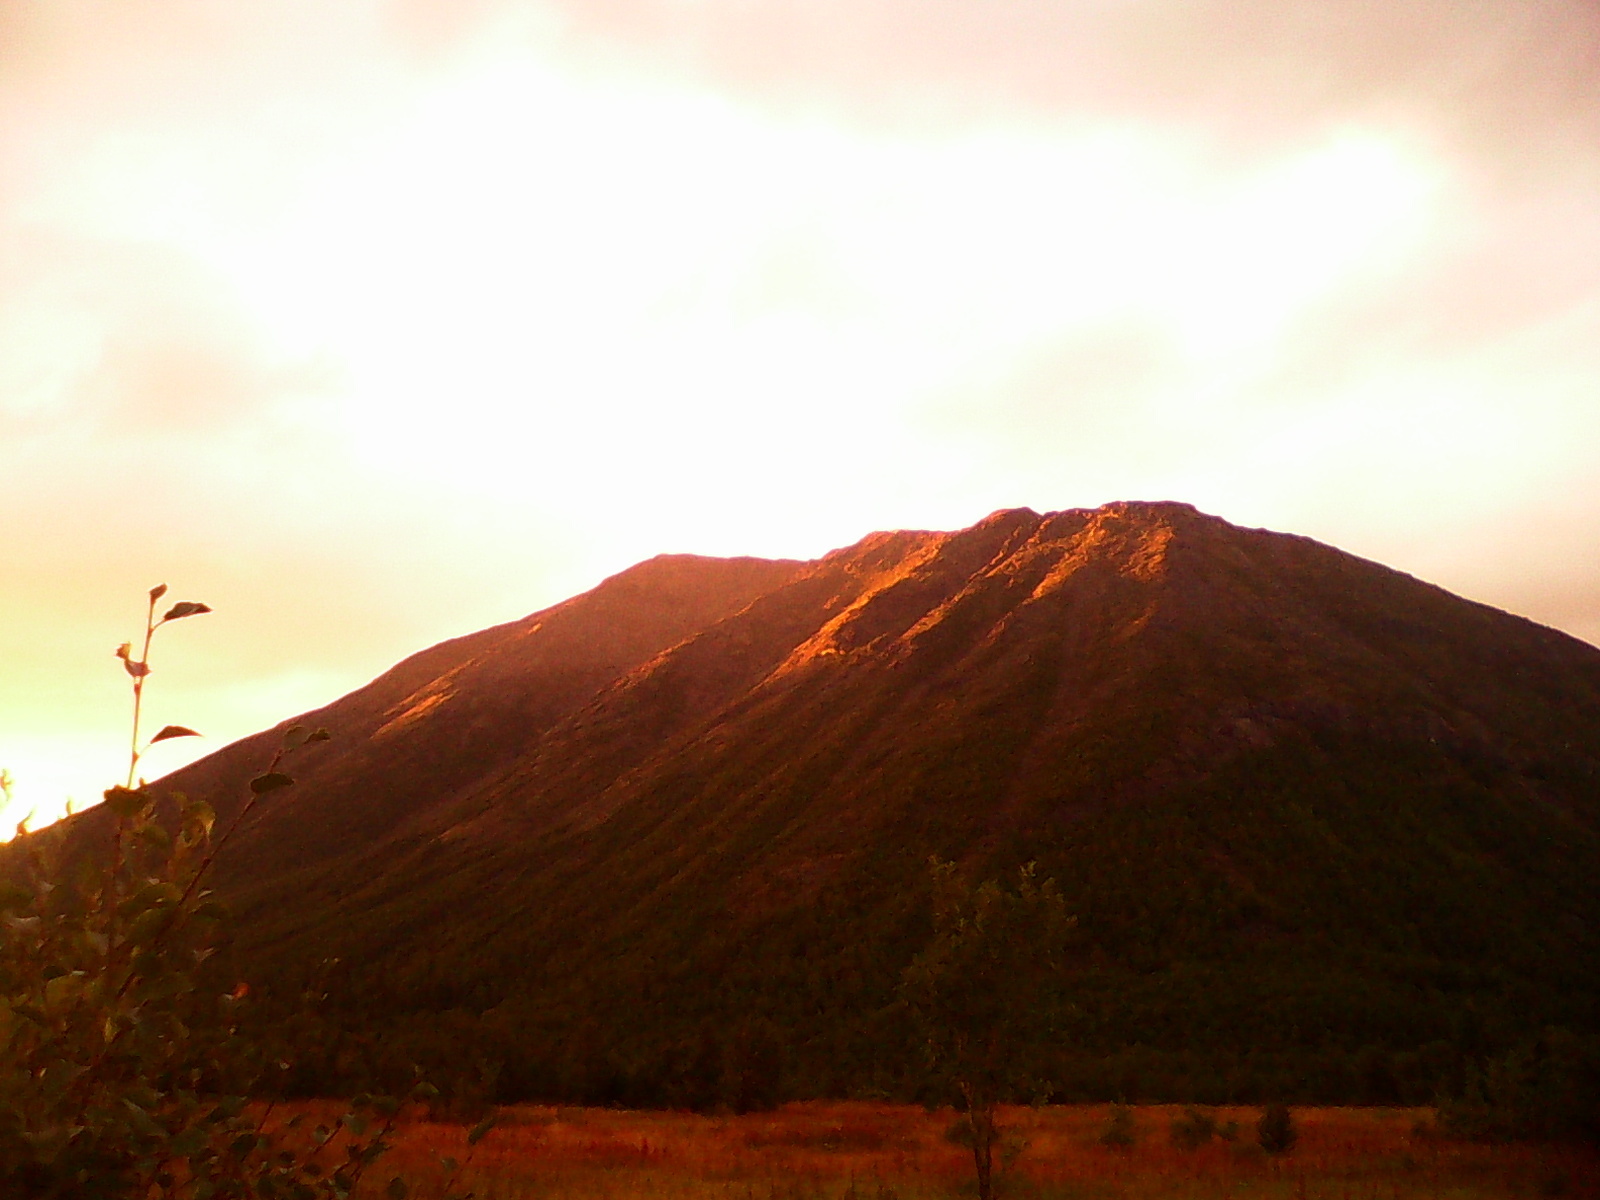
x: 130, y: 340
x: 374, y: 323
x: 1253, y: 69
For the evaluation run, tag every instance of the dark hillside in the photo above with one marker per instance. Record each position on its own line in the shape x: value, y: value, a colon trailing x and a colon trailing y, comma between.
x: 446, y: 718
x: 1327, y: 828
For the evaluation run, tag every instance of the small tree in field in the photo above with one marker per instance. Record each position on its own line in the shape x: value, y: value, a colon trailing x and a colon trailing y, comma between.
x: 1275, y: 1131
x: 985, y: 994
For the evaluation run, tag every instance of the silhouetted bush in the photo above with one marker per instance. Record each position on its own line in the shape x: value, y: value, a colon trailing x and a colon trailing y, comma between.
x: 1276, y: 1131
x: 1548, y: 1089
x: 1192, y: 1129
x: 1121, y: 1131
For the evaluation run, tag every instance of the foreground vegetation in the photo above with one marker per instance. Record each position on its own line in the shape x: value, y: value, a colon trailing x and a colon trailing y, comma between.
x: 122, y: 1073
x: 859, y: 1151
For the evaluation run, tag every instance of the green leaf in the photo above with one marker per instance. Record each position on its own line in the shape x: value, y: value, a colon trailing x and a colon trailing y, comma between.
x: 32, y: 1013
x: 226, y: 1109
x: 198, y: 817
x: 185, y: 608
x: 147, y: 927
x: 141, y: 1121
x: 126, y: 802
x: 63, y: 988
x: 173, y: 731
x: 190, y: 1141
x: 157, y: 893
x: 270, y: 782
x: 156, y: 835
x: 14, y: 895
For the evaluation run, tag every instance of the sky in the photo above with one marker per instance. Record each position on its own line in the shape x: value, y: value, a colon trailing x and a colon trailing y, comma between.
x: 374, y: 322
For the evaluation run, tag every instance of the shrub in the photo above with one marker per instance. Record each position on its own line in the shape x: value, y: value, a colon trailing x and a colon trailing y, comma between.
x: 1275, y: 1130
x: 120, y: 1071
x: 1192, y: 1129
x: 1549, y: 1088
x: 1121, y: 1131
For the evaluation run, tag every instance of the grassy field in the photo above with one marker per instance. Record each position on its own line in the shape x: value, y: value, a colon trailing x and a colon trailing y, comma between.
x: 838, y: 1151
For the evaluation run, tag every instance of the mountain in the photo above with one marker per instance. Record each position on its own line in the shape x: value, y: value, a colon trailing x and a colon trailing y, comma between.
x: 436, y: 726
x: 1329, y: 831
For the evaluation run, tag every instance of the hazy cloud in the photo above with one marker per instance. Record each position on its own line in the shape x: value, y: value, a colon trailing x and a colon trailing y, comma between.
x: 373, y: 323
x: 132, y: 340
x: 1508, y: 74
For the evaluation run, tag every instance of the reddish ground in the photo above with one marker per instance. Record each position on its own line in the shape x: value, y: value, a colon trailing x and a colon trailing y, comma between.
x: 852, y: 1151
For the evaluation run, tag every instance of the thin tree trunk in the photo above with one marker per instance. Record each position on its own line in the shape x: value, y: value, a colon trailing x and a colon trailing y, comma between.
x: 981, y: 1117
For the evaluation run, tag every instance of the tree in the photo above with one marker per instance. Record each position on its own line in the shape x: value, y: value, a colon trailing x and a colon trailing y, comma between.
x: 986, y: 996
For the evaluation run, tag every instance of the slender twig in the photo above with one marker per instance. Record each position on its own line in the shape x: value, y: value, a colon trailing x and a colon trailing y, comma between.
x: 109, y: 896
x: 233, y: 827
x: 461, y: 1166
x: 150, y: 626
x: 367, y: 1158
x: 180, y: 909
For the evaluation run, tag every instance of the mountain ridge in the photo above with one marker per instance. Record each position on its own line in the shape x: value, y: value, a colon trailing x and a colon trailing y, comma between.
x: 1283, y: 788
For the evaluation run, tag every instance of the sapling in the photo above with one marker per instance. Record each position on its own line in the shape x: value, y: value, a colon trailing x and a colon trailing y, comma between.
x: 1276, y: 1130
x: 984, y: 994
x: 121, y: 1070
x: 139, y: 670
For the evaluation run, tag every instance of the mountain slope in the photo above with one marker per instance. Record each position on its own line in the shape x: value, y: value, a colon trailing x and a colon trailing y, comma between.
x: 443, y: 718
x: 1303, y: 804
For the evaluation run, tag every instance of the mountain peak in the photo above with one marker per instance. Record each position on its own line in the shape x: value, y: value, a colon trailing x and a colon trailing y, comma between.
x: 1244, y: 755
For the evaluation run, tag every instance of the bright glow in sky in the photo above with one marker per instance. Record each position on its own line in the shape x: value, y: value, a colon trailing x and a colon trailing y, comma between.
x: 374, y: 323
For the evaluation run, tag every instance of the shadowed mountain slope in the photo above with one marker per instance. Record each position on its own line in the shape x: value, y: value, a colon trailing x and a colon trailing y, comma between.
x: 1304, y: 806
x: 441, y: 720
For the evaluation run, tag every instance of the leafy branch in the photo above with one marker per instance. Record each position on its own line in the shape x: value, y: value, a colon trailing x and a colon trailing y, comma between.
x: 122, y: 1071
